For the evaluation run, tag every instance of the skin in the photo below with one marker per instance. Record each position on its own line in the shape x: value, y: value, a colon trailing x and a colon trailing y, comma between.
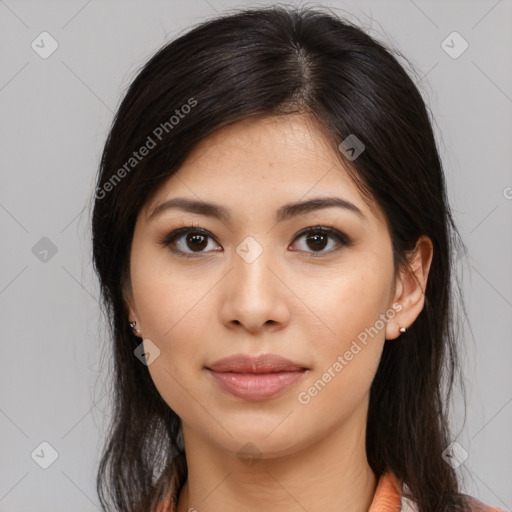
x: 309, y: 456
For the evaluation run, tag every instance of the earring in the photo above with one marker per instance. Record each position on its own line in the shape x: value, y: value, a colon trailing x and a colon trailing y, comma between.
x: 402, y: 329
x: 132, y: 325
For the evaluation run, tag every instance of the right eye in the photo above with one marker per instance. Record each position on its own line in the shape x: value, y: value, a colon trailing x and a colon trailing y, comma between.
x: 187, y: 237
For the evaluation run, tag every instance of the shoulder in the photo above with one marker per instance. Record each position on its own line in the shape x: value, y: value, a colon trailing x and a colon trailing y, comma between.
x: 467, y: 504
x: 476, y: 505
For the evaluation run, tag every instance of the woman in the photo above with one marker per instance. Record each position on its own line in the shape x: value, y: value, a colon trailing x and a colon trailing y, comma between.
x: 274, y: 246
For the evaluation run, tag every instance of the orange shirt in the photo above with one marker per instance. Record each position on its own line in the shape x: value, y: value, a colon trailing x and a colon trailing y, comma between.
x: 388, y: 497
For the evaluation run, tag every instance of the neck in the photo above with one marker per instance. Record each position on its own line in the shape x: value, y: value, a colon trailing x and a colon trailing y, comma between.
x: 330, y: 475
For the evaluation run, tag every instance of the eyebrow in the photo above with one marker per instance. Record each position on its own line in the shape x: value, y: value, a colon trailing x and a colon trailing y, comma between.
x: 285, y: 212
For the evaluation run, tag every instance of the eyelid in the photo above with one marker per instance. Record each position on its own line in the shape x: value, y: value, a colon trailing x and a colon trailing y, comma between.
x: 325, y: 229
x: 184, y: 228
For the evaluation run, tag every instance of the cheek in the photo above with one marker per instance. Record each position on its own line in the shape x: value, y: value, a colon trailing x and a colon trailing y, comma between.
x: 177, y: 386
x: 350, y: 299
x: 168, y: 301
x: 348, y: 353
x: 175, y: 318
x: 352, y: 306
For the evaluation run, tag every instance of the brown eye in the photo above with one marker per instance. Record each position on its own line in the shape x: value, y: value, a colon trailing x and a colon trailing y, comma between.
x: 191, y: 242
x: 187, y: 241
x: 196, y: 241
x: 317, y: 239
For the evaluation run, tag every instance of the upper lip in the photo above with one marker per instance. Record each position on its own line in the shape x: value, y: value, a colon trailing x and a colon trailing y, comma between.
x: 265, y: 363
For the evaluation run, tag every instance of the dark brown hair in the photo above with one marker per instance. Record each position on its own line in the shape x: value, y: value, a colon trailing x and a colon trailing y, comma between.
x: 279, y: 61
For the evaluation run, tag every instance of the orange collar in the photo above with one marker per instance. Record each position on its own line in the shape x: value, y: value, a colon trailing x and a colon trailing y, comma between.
x: 388, y: 495
x: 387, y: 498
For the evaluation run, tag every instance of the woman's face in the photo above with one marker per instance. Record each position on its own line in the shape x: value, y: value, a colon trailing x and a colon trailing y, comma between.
x: 251, y: 281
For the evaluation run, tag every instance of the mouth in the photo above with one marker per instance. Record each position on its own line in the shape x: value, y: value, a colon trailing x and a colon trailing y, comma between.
x: 256, y: 378
x: 256, y: 386
x: 264, y: 363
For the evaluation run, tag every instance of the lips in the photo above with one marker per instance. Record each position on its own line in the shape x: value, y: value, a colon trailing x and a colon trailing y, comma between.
x: 256, y: 378
x: 266, y: 363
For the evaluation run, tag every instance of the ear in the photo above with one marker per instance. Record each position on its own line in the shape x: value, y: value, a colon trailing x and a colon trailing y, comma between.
x: 128, y: 299
x: 410, y: 287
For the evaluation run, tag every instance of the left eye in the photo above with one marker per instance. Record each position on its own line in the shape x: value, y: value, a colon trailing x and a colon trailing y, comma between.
x: 196, y: 239
x: 317, y: 238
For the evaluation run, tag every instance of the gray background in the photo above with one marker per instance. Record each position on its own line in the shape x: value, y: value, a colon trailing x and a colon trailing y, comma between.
x: 55, y: 116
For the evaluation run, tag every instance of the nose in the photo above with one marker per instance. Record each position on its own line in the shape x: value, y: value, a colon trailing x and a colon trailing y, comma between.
x: 254, y: 295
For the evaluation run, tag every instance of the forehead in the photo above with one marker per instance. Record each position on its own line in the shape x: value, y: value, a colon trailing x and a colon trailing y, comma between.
x: 273, y: 159
x: 286, y: 148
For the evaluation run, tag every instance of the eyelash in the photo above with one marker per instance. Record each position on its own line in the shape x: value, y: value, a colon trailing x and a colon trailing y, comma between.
x: 185, y: 229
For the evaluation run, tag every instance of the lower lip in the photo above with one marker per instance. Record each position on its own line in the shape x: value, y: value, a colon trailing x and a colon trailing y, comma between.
x: 256, y: 386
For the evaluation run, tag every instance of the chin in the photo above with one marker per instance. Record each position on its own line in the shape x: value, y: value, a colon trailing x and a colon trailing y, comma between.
x: 248, y: 440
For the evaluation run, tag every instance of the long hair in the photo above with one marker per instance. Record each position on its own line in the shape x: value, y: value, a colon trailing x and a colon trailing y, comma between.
x: 272, y: 61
